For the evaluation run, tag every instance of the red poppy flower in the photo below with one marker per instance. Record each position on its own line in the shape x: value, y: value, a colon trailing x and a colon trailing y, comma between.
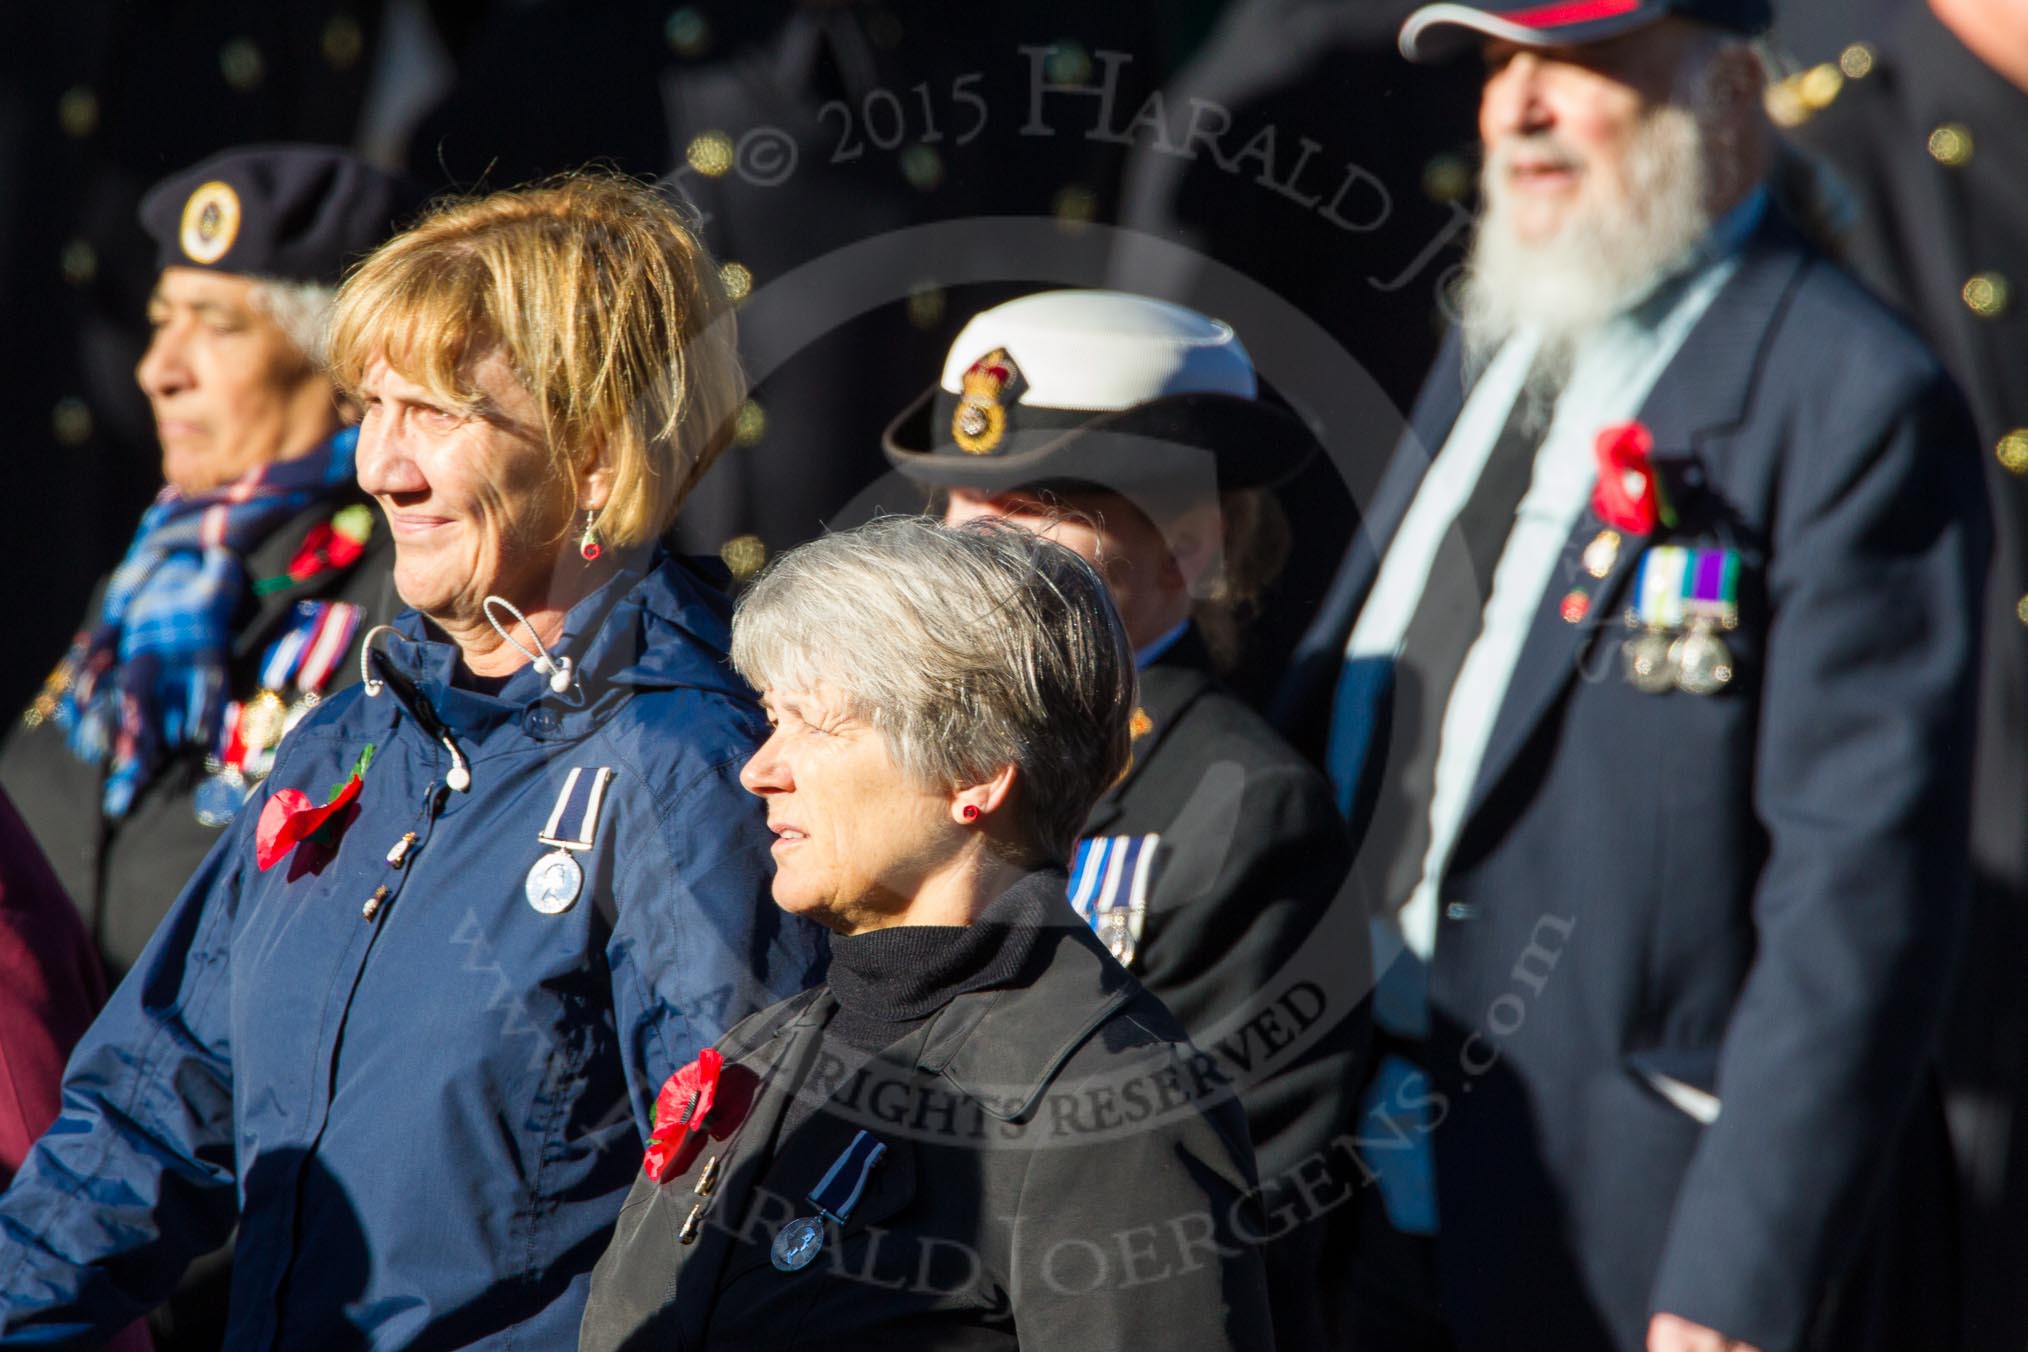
x: 1628, y: 495
x: 680, y: 1110
x: 289, y: 818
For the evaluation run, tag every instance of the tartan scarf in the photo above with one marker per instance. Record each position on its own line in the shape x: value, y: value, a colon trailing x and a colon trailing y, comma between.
x: 149, y: 678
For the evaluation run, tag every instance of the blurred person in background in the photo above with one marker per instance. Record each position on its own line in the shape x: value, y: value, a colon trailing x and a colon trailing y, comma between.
x: 1651, y: 693
x: 981, y: 1132
x: 1927, y: 131
x: 50, y: 986
x: 405, y: 1024
x: 1130, y: 430
x: 259, y: 563
x: 256, y: 567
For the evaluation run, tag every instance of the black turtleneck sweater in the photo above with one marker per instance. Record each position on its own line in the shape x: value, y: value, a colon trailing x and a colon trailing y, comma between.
x: 888, y: 982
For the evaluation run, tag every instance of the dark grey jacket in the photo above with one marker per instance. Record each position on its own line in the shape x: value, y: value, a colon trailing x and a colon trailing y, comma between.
x: 1062, y: 1171
x: 1247, y: 941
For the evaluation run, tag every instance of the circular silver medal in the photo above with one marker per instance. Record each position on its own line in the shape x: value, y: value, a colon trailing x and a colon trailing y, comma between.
x: 554, y: 882
x: 1703, y: 663
x: 219, y: 797
x: 1116, y: 932
x: 1650, y: 662
x: 797, y: 1244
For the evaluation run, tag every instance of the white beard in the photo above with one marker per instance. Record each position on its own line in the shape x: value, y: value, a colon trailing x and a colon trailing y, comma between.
x: 1607, y: 256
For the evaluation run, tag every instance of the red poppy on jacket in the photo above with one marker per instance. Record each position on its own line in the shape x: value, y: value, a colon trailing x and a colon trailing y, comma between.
x: 290, y: 818
x: 680, y: 1110
x: 1628, y: 495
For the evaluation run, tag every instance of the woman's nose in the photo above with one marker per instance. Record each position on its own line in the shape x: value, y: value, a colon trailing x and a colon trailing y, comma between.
x: 382, y: 465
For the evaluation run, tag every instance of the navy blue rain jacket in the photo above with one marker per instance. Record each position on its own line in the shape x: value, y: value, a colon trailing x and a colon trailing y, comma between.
x: 425, y: 1121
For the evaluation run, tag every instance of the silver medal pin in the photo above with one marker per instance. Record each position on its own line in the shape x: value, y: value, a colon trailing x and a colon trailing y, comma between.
x: 554, y: 882
x: 556, y: 879
x: 798, y: 1243
x: 1703, y: 663
x: 219, y: 797
x: 1650, y: 661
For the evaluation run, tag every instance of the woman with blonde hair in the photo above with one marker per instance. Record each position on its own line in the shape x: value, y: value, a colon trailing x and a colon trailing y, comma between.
x: 406, y: 1023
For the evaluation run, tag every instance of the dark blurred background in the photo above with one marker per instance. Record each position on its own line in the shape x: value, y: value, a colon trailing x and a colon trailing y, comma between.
x: 1328, y: 177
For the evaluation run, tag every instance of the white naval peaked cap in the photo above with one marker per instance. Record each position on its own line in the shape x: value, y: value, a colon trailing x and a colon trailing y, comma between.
x: 1103, y: 351
x: 1096, y: 387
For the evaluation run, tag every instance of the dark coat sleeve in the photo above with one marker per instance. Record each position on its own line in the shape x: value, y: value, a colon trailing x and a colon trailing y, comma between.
x: 1150, y: 1238
x: 1879, y: 542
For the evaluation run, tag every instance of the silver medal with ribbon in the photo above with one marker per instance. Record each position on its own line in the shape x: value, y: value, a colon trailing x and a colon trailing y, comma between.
x: 798, y: 1243
x: 555, y: 879
x: 1684, y: 598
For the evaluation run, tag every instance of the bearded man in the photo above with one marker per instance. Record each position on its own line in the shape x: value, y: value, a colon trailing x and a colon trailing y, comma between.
x: 1649, y: 692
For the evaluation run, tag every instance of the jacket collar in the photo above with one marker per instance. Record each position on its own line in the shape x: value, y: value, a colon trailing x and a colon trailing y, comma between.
x: 659, y: 622
x: 1001, y: 1048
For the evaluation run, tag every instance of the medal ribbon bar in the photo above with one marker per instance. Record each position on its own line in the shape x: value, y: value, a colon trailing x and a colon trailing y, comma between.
x: 588, y: 823
x: 838, y: 1191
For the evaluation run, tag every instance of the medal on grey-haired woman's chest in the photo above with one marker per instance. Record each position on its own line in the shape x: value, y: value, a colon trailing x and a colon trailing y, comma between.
x: 555, y: 880
x: 798, y: 1243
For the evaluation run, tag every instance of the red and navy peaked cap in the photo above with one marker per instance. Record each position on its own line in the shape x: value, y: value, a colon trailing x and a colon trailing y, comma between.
x: 1436, y: 31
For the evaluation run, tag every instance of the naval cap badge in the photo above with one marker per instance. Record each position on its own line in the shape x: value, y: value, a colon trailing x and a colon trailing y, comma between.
x: 210, y: 222
x: 981, y: 417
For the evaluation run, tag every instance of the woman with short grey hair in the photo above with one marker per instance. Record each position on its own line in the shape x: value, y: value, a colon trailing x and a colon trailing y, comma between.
x: 981, y: 1131
x: 1045, y: 682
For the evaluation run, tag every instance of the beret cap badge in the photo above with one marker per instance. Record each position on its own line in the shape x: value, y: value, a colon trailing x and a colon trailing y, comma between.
x: 980, y: 420
x: 210, y: 222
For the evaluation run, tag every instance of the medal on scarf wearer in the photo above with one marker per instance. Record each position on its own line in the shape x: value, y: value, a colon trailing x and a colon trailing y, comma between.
x: 302, y: 658
x: 1683, y: 599
x: 798, y: 1243
x: 555, y: 879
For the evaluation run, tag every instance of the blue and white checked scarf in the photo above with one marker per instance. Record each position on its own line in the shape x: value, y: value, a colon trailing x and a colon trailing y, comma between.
x: 150, y: 678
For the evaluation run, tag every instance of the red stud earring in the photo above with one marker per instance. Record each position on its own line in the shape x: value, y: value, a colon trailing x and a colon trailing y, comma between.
x: 971, y: 813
